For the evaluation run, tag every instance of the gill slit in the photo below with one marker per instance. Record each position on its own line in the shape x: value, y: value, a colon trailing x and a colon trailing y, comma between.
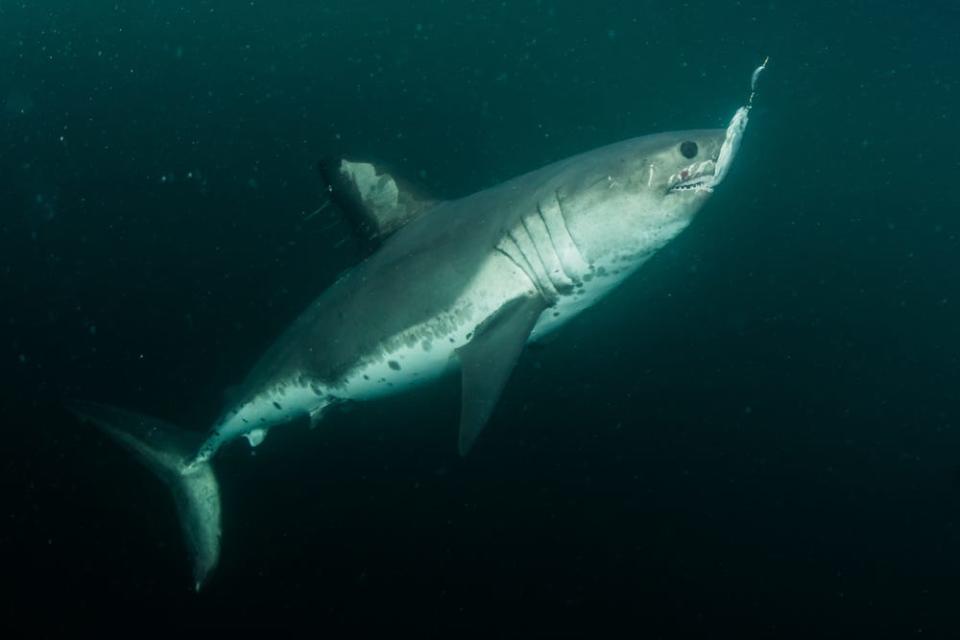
x: 520, y: 260
x: 528, y: 249
x: 542, y: 243
x: 568, y: 271
x: 566, y: 229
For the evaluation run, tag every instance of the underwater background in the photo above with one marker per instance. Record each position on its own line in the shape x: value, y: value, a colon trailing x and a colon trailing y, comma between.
x: 759, y: 434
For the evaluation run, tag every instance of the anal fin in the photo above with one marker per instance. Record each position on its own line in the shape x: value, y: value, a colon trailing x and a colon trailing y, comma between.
x: 488, y: 359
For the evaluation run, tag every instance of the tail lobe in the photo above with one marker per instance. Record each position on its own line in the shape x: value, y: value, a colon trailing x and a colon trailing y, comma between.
x: 169, y: 452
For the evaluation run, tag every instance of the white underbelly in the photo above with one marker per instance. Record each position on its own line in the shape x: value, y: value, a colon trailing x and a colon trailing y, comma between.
x: 416, y: 355
x: 427, y: 350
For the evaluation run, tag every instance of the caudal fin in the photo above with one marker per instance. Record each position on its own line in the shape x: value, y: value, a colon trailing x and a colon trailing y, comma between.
x: 169, y: 451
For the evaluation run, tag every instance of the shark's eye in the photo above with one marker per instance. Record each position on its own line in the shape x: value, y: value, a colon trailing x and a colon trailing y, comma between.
x: 688, y: 149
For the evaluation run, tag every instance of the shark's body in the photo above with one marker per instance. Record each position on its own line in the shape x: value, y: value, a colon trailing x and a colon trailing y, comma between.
x: 400, y: 317
x: 463, y: 283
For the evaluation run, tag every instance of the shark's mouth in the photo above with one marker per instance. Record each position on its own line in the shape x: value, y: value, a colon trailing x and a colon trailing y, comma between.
x: 696, y: 177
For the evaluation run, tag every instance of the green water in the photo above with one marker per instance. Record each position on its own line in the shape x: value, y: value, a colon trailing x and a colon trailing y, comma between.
x: 757, y: 435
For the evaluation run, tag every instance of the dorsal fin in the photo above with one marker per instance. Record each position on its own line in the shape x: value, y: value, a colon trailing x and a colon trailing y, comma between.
x: 373, y: 201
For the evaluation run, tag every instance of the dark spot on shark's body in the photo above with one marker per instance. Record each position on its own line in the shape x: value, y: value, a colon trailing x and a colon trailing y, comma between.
x: 277, y: 405
x: 393, y: 364
x: 366, y: 377
x: 587, y: 277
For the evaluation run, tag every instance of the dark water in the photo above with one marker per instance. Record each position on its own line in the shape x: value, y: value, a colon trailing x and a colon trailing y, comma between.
x: 758, y: 435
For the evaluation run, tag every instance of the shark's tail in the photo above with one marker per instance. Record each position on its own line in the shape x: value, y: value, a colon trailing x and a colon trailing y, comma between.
x: 169, y: 452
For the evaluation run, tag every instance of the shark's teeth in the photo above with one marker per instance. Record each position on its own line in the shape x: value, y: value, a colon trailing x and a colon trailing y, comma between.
x: 697, y: 177
x: 701, y: 185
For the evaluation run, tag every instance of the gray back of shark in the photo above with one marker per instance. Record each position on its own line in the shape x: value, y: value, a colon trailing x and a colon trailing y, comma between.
x: 460, y: 283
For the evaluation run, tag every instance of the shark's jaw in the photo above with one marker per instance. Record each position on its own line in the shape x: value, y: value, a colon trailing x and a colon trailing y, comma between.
x: 698, y: 176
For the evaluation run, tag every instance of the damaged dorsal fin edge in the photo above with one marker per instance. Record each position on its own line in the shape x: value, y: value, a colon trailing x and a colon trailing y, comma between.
x: 373, y: 201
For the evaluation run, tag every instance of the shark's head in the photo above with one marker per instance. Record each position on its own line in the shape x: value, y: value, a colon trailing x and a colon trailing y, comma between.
x: 627, y: 200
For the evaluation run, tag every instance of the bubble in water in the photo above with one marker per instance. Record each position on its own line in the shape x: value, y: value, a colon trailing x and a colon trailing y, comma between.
x: 17, y: 103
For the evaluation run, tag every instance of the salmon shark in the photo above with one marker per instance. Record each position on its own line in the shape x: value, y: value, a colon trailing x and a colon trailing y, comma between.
x: 454, y: 285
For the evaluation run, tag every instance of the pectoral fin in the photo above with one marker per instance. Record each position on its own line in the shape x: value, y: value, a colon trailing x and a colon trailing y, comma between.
x: 487, y: 360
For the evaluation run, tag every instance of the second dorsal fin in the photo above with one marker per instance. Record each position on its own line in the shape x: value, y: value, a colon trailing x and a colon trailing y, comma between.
x: 373, y: 201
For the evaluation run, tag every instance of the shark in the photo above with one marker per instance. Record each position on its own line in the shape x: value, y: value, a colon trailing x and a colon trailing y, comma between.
x: 452, y: 285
